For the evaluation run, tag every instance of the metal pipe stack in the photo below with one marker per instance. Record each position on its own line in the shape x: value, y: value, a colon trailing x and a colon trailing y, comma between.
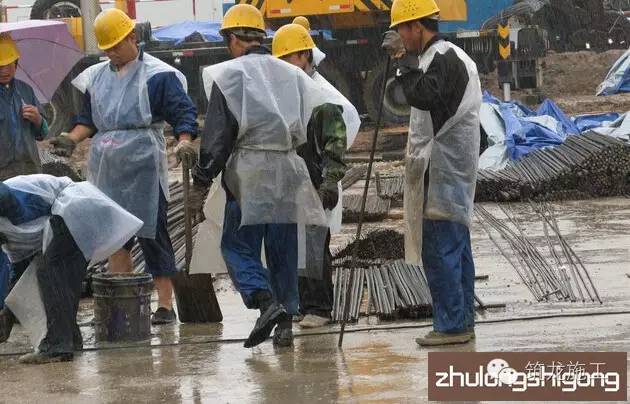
x: 586, y: 165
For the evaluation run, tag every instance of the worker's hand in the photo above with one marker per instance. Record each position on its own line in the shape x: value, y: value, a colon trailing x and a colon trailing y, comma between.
x: 63, y: 145
x: 409, y: 62
x: 329, y: 194
x: 197, y: 199
x: 393, y: 44
x: 186, y: 151
x: 31, y: 113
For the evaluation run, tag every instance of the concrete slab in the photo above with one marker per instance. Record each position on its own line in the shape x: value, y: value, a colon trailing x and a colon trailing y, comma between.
x: 380, y: 361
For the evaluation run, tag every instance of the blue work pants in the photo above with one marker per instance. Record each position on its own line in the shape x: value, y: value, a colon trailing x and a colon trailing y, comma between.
x: 450, y: 270
x: 241, y: 249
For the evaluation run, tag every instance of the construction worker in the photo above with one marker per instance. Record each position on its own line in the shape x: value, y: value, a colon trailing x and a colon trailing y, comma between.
x: 257, y: 116
x: 127, y: 100
x: 51, y: 227
x: 323, y: 154
x: 441, y: 84
x: 318, y: 55
x: 21, y: 125
x: 21, y: 120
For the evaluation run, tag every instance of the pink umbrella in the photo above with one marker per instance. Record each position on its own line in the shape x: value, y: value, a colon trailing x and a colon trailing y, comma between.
x: 47, y: 54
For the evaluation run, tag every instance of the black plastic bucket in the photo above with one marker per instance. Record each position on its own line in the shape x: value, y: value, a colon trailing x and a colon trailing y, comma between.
x: 122, y: 306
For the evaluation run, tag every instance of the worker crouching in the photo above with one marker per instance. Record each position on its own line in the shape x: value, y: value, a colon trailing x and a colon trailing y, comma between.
x: 441, y: 84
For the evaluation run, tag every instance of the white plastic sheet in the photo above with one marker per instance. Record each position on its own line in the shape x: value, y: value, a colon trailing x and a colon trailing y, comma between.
x: 98, y: 225
x: 127, y: 158
x: 272, y: 102
x: 453, y: 153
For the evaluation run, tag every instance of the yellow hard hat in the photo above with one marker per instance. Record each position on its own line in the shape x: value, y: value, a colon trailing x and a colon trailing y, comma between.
x: 111, y: 26
x: 243, y: 16
x: 9, y: 52
x: 289, y: 39
x: 409, y: 10
x: 303, y: 21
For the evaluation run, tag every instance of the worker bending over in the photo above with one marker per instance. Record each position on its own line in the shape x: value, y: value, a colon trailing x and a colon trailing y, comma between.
x: 127, y: 100
x: 441, y: 84
x: 53, y: 227
x: 257, y: 116
x: 323, y: 153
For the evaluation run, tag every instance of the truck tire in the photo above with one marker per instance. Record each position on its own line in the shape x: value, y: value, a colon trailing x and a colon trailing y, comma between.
x: 59, y: 112
x: 52, y: 9
x: 395, y: 108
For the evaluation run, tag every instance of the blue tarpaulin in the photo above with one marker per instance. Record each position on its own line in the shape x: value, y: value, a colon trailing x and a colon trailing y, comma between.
x: 526, y: 130
x: 587, y: 122
x: 178, y: 33
x: 618, y: 78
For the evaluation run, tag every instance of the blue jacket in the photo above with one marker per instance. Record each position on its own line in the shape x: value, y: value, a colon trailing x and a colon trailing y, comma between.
x: 17, y: 135
x: 169, y: 102
x: 21, y: 207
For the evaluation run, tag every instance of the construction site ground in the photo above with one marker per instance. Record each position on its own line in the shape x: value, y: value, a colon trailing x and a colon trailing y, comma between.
x: 380, y: 362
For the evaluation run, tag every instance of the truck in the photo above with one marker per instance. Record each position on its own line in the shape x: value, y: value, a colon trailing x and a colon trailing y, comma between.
x: 348, y: 31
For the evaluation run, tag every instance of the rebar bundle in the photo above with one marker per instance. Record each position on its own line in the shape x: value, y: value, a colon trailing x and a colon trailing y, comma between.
x: 57, y: 166
x: 586, y: 165
x: 354, y: 174
x: 376, y: 208
x: 392, y: 289
x: 390, y: 187
x: 564, y: 279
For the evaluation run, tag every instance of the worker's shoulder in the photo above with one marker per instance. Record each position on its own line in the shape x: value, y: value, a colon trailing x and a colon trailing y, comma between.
x: 22, y: 86
x: 159, y: 71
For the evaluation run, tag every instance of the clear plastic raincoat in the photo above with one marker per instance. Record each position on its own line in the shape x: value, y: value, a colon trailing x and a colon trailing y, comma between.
x: 127, y: 158
x: 272, y: 102
x: 451, y: 157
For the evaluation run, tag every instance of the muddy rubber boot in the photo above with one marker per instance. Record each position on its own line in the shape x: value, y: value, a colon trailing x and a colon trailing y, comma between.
x: 434, y: 338
x: 271, y: 313
x: 40, y: 358
x: 7, y: 320
x: 283, y: 334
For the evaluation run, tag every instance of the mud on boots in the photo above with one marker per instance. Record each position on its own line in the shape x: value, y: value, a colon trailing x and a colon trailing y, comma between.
x: 267, y: 185
x: 441, y: 83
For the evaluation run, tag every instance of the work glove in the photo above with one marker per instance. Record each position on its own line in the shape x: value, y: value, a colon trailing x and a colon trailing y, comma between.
x: 408, y: 62
x: 196, y: 200
x: 392, y: 43
x: 63, y: 145
x: 329, y: 194
x: 186, y: 151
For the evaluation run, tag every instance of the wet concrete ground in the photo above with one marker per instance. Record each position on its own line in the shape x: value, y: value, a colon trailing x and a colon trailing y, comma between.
x: 380, y: 361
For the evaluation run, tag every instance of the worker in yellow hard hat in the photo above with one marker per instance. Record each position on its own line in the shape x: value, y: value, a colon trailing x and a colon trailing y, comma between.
x: 318, y: 55
x: 258, y: 111
x: 330, y: 132
x: 127, y: 101
x: 441, y: 83
x: 23, y: 123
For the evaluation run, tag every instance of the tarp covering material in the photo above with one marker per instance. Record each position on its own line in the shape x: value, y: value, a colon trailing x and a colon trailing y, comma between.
x: 517, y: 130
x: 618, y: 78
x: 586, y: 122
x: 178, y: 33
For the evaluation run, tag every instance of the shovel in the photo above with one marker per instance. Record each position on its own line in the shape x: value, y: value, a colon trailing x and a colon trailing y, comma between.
x: 196, y: 300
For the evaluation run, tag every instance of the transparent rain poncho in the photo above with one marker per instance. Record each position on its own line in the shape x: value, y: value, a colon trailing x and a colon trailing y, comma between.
x: 98, y: 225
x: 451, y: 156
x: 127, y: 158
x: 272, y: 102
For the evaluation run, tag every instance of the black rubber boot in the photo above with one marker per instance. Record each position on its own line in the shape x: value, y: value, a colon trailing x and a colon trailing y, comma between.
x: 283, y: 335
x: 271, y: 313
